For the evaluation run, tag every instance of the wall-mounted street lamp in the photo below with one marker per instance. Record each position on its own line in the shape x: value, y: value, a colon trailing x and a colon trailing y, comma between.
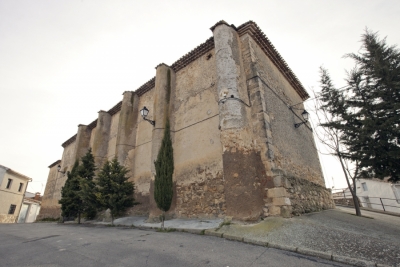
x: 144, y: 112
x: 59, y: 169
x: 305, y: 115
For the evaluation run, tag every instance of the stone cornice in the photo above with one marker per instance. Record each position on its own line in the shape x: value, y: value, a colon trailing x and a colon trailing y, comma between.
x: 255, y: 32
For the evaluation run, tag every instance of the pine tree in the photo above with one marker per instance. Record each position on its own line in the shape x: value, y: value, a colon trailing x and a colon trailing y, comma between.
x: 71, y: 205
x: 115, y: 192
x: 87, y: 193
x: 368, y: 110
x: 164, y: 165
x: 375, y: 102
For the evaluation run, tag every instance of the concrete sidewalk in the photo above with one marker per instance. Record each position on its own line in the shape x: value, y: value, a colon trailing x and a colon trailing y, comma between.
x: 338, y: 235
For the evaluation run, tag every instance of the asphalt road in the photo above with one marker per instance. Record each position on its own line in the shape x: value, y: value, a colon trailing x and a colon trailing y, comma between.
x: 50, y: 244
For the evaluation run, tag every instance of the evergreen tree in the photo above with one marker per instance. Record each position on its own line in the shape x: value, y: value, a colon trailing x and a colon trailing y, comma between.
x: 71, y: 205
x: 375, y: 103
x: 87, y: 193
x: 367, y: 112
x: 115, y: 192
x: 163, y: 185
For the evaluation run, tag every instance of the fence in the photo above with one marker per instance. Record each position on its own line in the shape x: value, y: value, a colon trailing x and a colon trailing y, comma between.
x: 378, y: 203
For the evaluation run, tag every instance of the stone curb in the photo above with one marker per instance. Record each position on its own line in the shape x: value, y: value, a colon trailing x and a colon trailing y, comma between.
x: 232, y: 237
x: 283, y: 247
x: 319, y: 254
x: 212, y: 233
x: 353, y: 261
x: 304, y: 251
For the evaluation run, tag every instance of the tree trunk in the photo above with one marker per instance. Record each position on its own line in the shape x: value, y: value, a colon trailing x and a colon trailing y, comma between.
x: 355, y: 199
x: 162, y: 220
x: 79, y: 218
x: 352, y: 191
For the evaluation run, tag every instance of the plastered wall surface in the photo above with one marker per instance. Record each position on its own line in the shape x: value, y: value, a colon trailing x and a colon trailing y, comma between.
x: 10, y: 197
x: 232, y: 156
x: 112, y: 141
x: 293, y: 148
x: 139, y: 158
x: 196, y: 141
x: 48, y: 197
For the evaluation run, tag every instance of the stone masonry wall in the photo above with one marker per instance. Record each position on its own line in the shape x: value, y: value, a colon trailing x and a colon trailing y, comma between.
x: 295, y: 196
x: 307, y: 196
x: 292, y: 149
x: 236, y: 150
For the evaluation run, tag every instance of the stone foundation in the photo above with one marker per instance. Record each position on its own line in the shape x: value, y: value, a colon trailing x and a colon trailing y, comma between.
x: 308, y: 197
x: 49, y: 212
x: 202, y: 199
x: 5, y: 218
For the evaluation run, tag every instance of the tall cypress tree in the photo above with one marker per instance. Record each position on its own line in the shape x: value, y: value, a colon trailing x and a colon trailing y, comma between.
x: 71, y: 204
x: 163, y: 185
x: 115, y: 192
x: 87, y: 193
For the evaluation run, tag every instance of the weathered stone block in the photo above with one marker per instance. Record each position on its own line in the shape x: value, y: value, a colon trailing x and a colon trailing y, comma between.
x: 278, y: 181
x: 281, y: 201
x: 286, y: 211
x: 274, y: 210
x: 277, y: 192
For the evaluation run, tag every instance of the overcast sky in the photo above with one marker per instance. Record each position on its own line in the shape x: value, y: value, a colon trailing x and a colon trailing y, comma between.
x: 63, y: 61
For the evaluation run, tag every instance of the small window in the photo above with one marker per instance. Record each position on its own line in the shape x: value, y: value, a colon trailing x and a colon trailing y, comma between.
x: 21, y: 185
x: 364, y: 186
x: 9, y: 183
x: 12, y: 209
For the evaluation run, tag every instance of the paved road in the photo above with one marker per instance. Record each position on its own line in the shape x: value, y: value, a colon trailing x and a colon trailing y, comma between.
x: 50, y: 245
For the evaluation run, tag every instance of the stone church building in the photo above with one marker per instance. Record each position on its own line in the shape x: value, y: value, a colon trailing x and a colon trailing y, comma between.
x: 233, y: 106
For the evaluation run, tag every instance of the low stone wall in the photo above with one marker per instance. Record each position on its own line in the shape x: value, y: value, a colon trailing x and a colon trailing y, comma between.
x: 5, y: 218
x: 306, y: 196
x: 53, y: 212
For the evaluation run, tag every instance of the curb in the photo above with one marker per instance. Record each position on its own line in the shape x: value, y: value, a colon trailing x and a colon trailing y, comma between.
x: 304, y: 251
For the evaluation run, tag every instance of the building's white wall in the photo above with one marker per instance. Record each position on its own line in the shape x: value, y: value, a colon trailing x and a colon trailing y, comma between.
x: 378, y: 192
x: 2, y: 173
x: 32, y: 213
x: 11, y: 196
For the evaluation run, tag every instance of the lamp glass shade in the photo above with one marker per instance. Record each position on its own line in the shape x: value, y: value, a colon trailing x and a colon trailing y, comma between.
x: 144, y: 112
x: 305, y: 115
x: 58, y: 167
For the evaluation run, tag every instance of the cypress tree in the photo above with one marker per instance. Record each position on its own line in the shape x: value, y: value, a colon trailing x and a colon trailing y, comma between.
x: 115, y: 192
x: 164, y: 165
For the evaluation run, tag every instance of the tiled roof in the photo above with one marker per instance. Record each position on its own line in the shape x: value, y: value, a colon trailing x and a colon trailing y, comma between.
x: 11, y: 171
x: 55, y: 163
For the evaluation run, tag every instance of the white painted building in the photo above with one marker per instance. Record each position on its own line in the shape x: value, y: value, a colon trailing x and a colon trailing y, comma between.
x: 379, y: 194
x: 12, y: 189
x: 30, y: 208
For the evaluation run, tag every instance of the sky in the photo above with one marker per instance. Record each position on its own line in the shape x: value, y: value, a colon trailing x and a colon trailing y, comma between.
x: 63, y: 61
